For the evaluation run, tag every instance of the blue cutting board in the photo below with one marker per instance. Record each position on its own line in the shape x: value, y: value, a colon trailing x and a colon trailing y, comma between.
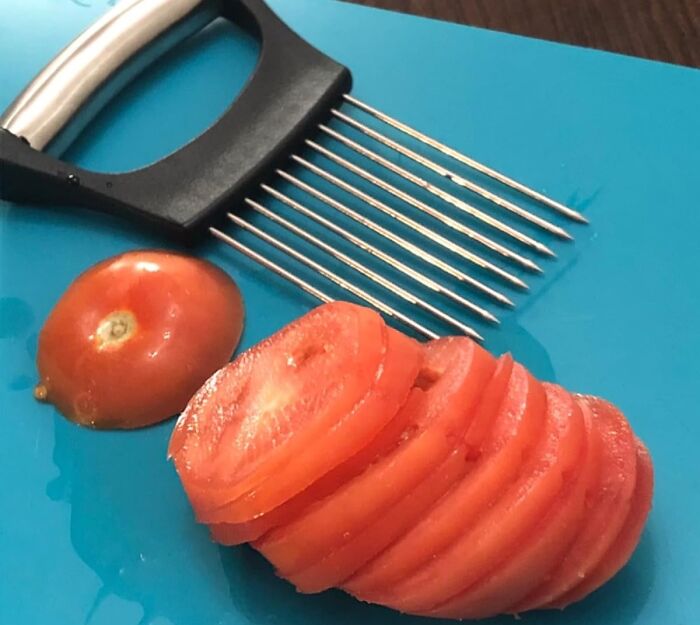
x: 94, y: 527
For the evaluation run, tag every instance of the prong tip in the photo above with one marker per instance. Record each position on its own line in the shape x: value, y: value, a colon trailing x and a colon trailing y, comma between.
x: 520, y: 284
x: 506, y: 301
x: 545, y: 251
x: 535, y: 268
x: 475, y: 335
x: 563, y: 234
x: 492, y: 318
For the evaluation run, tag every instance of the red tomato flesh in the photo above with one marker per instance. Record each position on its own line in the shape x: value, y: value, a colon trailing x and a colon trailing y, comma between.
x: 499, y: 530
x: 396, y: 520
x: 385, y: 529
x: 343, y: 440
x: 542, y: 549
x: 452, y: 366
x: 608, y: 506
x: 514, y: 431
x: 291, y: 409
x: 238, y: 533
x: 134, y: 336
x: 628, y: 538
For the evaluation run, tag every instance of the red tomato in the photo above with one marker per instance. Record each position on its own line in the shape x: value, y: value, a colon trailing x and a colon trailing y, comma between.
x: 291, y: 409
x: 517, y: 425
x: 498, y: 530
x: 381, y: 444
x: 540, y: 551
x: 431, y: 480
x: 609, y: 503
x: 626, y: 541
x: 135, y: 336
x: 449, y: 385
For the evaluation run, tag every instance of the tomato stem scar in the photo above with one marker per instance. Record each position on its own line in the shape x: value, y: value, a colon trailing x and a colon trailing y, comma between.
x: 115, y: 329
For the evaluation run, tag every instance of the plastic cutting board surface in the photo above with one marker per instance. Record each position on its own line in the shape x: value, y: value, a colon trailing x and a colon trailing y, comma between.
x: 94, y: 527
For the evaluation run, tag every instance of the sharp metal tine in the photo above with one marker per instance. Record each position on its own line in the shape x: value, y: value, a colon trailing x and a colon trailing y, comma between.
x: 453, y: 177
x: 378, y: 253
x: 439, y: 193
x: 392, y: 287
x: 423, y: 207
x: 395, y: 238
x: 272, y: 266
x: 417, y: 251
x: 466, y: 160
x: 333, y: 277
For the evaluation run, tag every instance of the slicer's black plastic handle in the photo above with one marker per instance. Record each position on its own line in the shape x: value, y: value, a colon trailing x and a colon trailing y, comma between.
x: 292, y: 88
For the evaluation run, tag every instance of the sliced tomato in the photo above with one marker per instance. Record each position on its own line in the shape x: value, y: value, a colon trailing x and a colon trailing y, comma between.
x: 542, y: 549
x: 626, y: 541
x: 396, y: 520
x: 135, y: 336
x: 238, y: 533
x: 346, y: 559
x: 499, y: 529
x: 608, y: 505
x: 447, y: 389
x: 341, y: 441
x: 257, y: 418
x: 514, y: 431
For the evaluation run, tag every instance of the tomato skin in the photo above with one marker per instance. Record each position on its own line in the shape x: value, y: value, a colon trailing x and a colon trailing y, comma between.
x: 627, y: 539
x: 134, y: 336
x: 609, y: 503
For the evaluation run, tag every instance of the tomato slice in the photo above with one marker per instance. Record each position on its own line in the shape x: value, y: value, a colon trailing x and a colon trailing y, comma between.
x: 396, y: 520
x: 291, y: 409
x: 135, y: 336
x: 513, y: 434
x: 238, y: 533
x: 447, y: 389
x: 608, y: 506
x: 628, y: 538
x: 342, y: 562
x: 342, y: 440
x: 542, y: 549
x: 498, y: 530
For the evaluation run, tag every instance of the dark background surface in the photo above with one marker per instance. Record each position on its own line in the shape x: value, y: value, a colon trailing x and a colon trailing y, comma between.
x: 665, y: 30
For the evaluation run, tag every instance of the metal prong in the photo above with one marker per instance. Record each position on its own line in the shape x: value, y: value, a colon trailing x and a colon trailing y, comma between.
x: 439, y: 193
x: 375, y: 277
x: 417, y: 251
x: 413, y: 249
x: 466, y: 160
x: 453, y: 177
x: 390, y: 260
x: 422, y: 206
x: 333, y: 277
x: 272, y: 266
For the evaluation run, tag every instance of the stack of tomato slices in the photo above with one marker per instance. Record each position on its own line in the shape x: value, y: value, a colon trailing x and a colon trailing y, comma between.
x: 431, y: 478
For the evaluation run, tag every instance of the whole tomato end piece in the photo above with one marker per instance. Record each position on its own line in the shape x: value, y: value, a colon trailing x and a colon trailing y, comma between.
x: 126, y: 348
